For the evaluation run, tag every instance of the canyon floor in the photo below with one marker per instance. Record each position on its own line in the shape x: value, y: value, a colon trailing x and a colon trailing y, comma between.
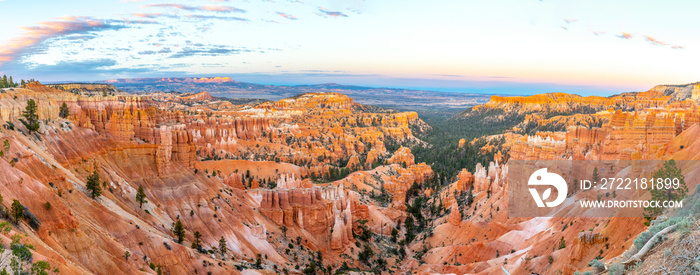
x: 316, y: 183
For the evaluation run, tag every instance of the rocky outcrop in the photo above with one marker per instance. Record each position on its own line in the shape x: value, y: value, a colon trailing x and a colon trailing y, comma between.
x: 583, y: 242
x: 680, y: 92
x: 315, y: 100
x: 464, y: 180
x: 342, y: 233
x: 492, y: 180
x: 402, y: 156
x: 316, y: 210
x: 455, y: 216
x: 372, y: 158
x: 203, y: 96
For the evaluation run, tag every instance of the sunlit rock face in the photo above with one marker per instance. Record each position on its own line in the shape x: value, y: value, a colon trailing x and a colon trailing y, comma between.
x: 657, y: 124
x: 202, y: 160
x: 244, y: 172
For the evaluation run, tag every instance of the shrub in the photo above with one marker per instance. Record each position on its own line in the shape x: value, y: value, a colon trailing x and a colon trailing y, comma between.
x: 597, y: 265
x: 616, y: 269
x: 562, y: 243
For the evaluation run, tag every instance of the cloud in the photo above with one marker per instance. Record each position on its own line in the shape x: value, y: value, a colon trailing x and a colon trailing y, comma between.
x: 331, y: 13
x: 189, y: 16
x: 164, y: 50
x: 449, y: 75
x: 288, y: 16
x: 209, y: 50
x: 226, y: 18
x: 625, y: 35
x: 89, y: 66
x: 654, y: 41
x: 568, y: 21
x: 598, y: 33
x: 34, y: 36
x: 222, y: 9
x: 146, y: 15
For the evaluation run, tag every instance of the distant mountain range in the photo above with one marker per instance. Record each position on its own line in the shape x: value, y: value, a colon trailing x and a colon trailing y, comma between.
x: 227, y: 87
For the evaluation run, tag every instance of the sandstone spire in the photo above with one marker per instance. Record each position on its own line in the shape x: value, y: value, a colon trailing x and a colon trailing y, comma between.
x: 455, y: 217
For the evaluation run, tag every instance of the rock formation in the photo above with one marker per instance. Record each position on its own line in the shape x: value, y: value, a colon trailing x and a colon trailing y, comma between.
x: 402, y: 156
x: 455, y: 216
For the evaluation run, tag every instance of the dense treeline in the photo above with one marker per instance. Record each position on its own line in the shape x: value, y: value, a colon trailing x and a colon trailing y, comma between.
x: 8, y: 82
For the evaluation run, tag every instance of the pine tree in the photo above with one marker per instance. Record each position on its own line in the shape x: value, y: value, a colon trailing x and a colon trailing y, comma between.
x: 222, y: 245
x: 179, y: 231
x: 595, y: 177
x: 197, y: 240
x: 6, y: 147
x: 141, y: 196
x: 562, y: 243
x: 258, y: 262
x: 4, y: 83
x: 283, y: 228
x: 93, y: 185
x: 32, y: 119
x: 661, y: 192
x: 64, y: 112
x: 11, y: 83
x: 17, y: 211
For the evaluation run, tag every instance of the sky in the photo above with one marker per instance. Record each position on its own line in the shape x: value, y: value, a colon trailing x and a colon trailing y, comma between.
x: 485, y: 46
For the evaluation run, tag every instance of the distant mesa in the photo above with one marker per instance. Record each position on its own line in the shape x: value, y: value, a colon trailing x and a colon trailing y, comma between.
x: 202, y: 96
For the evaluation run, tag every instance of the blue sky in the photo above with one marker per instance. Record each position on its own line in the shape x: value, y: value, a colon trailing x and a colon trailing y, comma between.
x: 498, y: 46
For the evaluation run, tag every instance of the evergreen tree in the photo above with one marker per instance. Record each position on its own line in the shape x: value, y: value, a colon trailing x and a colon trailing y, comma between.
x: 3, y: 83
x: 64, y: 112
x: 470, y: 196
x: 11, y: 83
x: 258, y: 262
x: 283, y: 228
x: 93, y: 185
x: 17, y: 211
x: 222, y: 245
x: 595, y: 177
x: 141, y: 196
x: 562, y: 243
x: 197, y: 240
x: 661, y: 192
x: 179, y: 231
x: 30, y: 116
x: 6, y: 147
x: 366, y: 255
x: 127, y: 254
